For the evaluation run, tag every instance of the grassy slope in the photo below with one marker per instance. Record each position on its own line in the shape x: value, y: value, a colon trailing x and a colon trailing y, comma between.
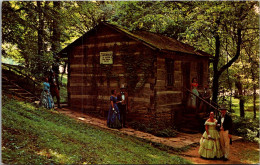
x: 36, y: 135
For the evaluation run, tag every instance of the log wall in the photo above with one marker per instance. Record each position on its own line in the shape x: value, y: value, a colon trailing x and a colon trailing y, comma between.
x: 169, y: 99
x: 90, y: 83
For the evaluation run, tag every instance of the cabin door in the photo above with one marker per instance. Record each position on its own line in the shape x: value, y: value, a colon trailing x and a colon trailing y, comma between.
x: 185, y: 79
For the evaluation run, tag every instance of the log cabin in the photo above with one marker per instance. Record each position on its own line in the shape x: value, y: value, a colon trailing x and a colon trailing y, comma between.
x: 155, y: 69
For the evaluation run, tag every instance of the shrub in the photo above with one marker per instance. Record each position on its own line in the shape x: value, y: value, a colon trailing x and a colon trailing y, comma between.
x: 247, y: 128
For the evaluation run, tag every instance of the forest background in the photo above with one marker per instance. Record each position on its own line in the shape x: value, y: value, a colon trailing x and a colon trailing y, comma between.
x: 33, y: 32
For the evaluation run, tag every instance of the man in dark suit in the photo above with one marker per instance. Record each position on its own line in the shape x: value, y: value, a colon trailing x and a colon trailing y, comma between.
x: 53, y: 80
x: 225, y: 127
x: 122, y: 97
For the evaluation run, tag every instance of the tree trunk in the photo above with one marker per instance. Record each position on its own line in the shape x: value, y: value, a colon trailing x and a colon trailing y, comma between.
x: 254, y: 101
x: 40, y: 29
x: 230, y: 88
x: 242, y: 106
x: 215, y: 86
x: 56, y: 36
x: 240, y: 96
x: 56, y: 28
x: 217, y: 73
x: 253, y: 68
x: 254, y: 94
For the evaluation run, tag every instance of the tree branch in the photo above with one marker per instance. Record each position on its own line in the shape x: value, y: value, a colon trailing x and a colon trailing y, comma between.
x: 239, y: 41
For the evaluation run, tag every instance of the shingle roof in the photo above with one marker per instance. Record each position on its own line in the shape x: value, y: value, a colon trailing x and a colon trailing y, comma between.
x: 154, y: 40
x: 162, y: 42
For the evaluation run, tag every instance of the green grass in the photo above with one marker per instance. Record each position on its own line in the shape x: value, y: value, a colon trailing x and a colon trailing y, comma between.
x: 64, y: 79
x: 63, y: 89
x: 38, y: 136
x: 249, y: 113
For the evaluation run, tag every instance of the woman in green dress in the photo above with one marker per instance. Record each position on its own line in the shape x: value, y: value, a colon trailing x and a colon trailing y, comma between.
x: 210, y: 140
x: 192, y: 101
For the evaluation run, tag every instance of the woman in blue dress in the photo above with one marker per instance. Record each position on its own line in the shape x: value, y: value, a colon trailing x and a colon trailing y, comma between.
x: 113, y: 119
x: 46, y: 99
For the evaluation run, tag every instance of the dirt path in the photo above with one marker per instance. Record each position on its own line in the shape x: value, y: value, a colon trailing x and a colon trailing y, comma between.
x: 240, y: 152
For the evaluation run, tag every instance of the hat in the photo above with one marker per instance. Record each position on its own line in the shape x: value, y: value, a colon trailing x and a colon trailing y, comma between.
x: 223, y: 107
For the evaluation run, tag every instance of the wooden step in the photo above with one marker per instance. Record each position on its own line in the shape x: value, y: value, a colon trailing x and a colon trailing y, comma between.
x: 17, y: 90
x: 30, y: 98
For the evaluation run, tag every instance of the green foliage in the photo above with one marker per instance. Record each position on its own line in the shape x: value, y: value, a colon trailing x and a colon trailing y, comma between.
x: 235, y: 106
x: 247, y: 128
x: 63, y: 90
x: 21, y: 33
x: 160, y: 17
x: 33, y: 135
x: 194, y: 22
x: 138, y: 69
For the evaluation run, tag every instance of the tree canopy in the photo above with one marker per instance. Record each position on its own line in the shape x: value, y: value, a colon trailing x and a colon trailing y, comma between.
x: 34, y: 32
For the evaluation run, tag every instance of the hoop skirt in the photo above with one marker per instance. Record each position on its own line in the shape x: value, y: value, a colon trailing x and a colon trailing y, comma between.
x: 46, y: 98
x: 210, y: 147
x: 113, y: 119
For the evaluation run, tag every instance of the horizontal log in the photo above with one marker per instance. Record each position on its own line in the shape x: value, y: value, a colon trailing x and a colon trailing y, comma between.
x: 159, y: 59
x: 91, y: 65
x: 168, y: 98
x: 161, y: 83
x: 108, y: 36
x: 104, y: 89
x: 97, y: 70
x: 82, y: 84
x: 81, y: 55
x: 73, y: 75
x: 139, y: 99
x: 161, y: 74
x: 89, y: 89
x: 178, y: 84
x: 123, y: 49
x: 106, y: 39
x: 107, y: 97
x: 90, y: 108
x: 168, y: 92
x: 109, y: 44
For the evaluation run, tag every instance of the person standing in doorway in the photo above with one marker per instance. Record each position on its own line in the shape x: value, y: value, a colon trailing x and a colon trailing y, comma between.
x: 123, y: 104
x: 53, y: 80
x: 225, y: 126
x: 193, y: 102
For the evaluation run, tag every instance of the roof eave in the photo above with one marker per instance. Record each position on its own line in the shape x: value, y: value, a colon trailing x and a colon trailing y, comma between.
x: 167, y: 50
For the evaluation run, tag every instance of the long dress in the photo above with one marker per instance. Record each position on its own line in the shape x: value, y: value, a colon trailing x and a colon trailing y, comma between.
x: 113, y: 119
x: 46, y: 98
x: 192, y: 102
x: 210, y: 147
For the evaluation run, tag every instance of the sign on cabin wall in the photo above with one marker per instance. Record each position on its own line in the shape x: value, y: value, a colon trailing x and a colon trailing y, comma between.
x: 106, y: 57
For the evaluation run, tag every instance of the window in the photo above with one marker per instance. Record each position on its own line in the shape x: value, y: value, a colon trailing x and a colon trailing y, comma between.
x: 200, y: 73
x: 170, y: 71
